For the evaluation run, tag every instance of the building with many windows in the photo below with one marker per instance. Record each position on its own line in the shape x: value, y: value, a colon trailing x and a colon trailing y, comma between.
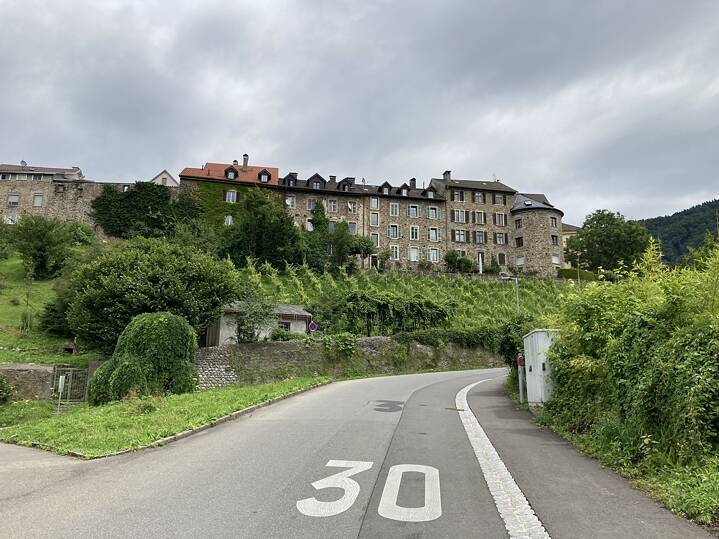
x: 484, y: 220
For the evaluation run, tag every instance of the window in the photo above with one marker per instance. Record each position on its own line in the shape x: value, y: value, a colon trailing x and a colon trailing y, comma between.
x: 13, y: 200
x: 345, y: 187
x: 434, y: 255
x: 36, y: 177
x: 414, y: 254
x: 316, y: 184
x: 230, y: 174
x: 353, y: 228
x: 10, y: 219
x: 404, y: 191
x: 394, y: 209
x: 500, y: 219
x: 458, y: 196
x: 124, y: 188
x: 5, y: 176
x: 311, y: 203
x: 413, y: 211
x: 385, y: 190
x: 374, y: 203
x: 394, y: 231
x: 553, y: 222
x: 480, y: 236
x: 414, y: 233
x: 352, y: 206
x: 433, y: 213
x: 433, y: 234
x: 332, y: 206
x: 290, y: 201
x: 502, y: 259
x: 461, y: 252
x: 37, y: 200
x: 479, y: 217
x: 499, y: 199
x: 480, y: 261
x: 21, y: 176
x: 555, y: 240
x: 519, y: 242
x: 517, y: 224
x: 374, y: 219
x: 519, y: 262
x: 231, y: 196
x: 394, y: 252
x: 460, y: 236
x: 430, y: 194
x: 309, y: 226
x: 228, y: 220
x: 459, y: 216
x: 284, y: 325
x: 264, y: 177
x: 163, y: 181
x: 555, y: 259
x: 291, y: 182
x: 331, y: 226
x: 499, y: 238
x: 375, y: 239
x: 478, y: 197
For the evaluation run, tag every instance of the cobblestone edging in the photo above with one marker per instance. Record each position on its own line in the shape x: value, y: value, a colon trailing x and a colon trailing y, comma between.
x: 186, y: 433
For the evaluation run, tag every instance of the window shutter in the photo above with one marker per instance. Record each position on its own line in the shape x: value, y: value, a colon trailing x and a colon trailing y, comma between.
x: 399, y: 231
x: 454, y: 235
x: 452, y: 217
x: 439, y: 234
x: 506, y: 238
x: 494, y: 218
x: 439, y: 213
x: 224, y: 196
x: 407, y: 211
x: 466, y: 216
x: 388, y: 231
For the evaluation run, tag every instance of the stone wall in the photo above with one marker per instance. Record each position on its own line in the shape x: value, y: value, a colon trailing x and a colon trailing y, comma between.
x: 29, y: 382
x: 538, y: 249
x: 266, y: 361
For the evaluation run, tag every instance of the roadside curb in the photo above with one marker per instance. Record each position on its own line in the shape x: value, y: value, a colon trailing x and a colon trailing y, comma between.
x: 184, y: 434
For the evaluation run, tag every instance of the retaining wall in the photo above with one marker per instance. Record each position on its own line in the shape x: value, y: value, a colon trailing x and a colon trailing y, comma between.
x: 29, y: 382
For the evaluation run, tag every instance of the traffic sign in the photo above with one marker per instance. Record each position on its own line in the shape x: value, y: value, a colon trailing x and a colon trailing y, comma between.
x: 313, y: 326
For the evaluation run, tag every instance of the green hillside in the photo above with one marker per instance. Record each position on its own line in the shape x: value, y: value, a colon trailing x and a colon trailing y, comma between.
x: 684, y: 229
x: 480, y: 302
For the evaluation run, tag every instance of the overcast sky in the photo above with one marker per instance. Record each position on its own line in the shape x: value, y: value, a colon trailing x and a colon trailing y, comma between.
x: 597, y: 104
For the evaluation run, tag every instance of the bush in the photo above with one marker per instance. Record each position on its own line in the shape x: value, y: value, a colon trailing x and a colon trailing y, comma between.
x: 146, y: 275
x: 573, y: 273
x: 154, y: 355
x: 279, y: 334
x: 43, y: 245
x: 5, y: 389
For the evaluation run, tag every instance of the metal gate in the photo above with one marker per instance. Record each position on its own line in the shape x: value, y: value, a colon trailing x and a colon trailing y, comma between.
x: 75, y: 386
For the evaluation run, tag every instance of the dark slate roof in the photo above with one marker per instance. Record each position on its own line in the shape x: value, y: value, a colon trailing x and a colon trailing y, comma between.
x: 353, y: 187
x: 479, y: 185
x: 281, y: 309
x: 40, y: 170
x: 566, y: 227
x: 525, y: 202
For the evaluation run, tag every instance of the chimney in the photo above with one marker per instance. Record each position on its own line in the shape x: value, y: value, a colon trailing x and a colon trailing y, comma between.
x: 413, y: 183
x: 447, y: 175
x: 293, y: 175
x: 245, y: 159
x: 333, y: 178
x: 234, y: 162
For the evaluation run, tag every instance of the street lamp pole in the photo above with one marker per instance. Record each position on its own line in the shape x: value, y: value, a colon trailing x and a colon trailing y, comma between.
x: 516, y: 288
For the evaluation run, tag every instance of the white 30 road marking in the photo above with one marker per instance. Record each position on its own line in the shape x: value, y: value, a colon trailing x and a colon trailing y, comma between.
x: 312, y: 507
x: 388, y: 507
x: 432, y: 508
x: 519, y: 519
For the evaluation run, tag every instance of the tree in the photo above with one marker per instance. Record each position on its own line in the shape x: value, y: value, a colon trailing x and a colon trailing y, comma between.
x: 263, y: 230
x: 317, y: 240
x: 145, y: 209
x: 341, y: 245
x: 43, y: 244
x: 199, y: 234
x: 605, y: 241
x: 255, y: 313
x: 363, y: 246
x: 146, y: 275
x: 456, y: 263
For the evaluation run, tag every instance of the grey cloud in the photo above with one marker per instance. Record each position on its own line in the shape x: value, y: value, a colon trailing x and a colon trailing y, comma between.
x: 597, y: 104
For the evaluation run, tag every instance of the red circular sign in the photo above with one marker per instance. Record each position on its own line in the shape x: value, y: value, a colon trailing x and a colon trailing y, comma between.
x: 520, y: 360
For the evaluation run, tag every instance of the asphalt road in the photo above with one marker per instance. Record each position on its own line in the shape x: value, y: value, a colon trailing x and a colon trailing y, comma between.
x: 389, y: 457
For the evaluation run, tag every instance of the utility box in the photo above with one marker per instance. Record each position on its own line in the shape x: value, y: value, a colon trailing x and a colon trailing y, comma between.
x: 539, y: 384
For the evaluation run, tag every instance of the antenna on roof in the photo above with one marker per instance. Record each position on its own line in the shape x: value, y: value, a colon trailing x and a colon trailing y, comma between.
x: 494, y: 177
x: 23, y: 163
x: 364, y: 182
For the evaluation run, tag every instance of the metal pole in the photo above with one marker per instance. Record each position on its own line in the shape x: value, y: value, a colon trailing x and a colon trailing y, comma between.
x: 522, y: 382
x: 516, y: 289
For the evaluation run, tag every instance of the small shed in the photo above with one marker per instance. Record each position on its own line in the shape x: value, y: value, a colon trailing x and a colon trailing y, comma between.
x: 292, y: 318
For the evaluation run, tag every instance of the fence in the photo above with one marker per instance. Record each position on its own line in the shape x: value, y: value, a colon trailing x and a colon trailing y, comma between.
x: 75, y: 386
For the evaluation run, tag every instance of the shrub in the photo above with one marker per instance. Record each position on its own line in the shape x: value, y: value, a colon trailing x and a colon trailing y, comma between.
x: 43, y: 245
x: 279, y: 334
x: 146, y: 275
x: 5, y: 389
x: 574, y: 273
x: 154, y: 354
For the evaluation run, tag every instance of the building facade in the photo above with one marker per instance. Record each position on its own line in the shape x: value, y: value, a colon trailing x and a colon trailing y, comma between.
x: 486, y: 221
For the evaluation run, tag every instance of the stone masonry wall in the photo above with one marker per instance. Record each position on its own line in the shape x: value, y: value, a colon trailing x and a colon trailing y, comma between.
x: 538, y: 249
x: 29, y: 382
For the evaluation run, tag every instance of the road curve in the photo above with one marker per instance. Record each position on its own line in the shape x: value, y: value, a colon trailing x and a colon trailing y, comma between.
x: 382, y: 457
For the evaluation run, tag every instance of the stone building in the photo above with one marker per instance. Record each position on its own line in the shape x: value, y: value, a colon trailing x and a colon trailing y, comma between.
x: 484, y: 220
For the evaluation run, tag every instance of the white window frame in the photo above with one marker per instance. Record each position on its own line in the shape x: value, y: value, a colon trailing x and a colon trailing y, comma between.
x: 555, y: 260
x: 460, y: 236
x: 316, y: 184
x: 436, y: 234
x: 264, y: 177
x: 311, y: 203
x: 435, y: 210
x: 553, y: 222
x: 228, y: 220
x: 353, y: 228
x: 413, y: 249
x: 35, y: 197
x: 433, y: 255
x: 231, y: 197
x: 459, y: 216
x: 414, y: 233
x: 374, y: 203
x: 499, y: 238
x: 394, y: 252
x: 396, y: 228
x: 416, y: 211
x: 332, y: 206
x: 374, y: 218
x: 13, y: 203
x: 290, y: 201
x: 375, y: 239
x: 394, y: 209
x: 500, y: 219
x: 499, y: 199
x: 352, y: 206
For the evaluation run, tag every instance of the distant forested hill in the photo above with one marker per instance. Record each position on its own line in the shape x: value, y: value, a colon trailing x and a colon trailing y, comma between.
x: 683, y: 229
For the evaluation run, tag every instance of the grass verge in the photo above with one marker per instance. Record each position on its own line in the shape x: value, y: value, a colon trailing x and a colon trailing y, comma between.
x: 134, y: 423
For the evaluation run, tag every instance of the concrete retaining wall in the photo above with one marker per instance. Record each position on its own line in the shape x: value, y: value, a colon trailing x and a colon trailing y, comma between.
x: 29, y: 382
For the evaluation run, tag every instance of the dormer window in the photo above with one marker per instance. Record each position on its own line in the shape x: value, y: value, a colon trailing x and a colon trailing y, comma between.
x: 291, y: 182
x: 430, y: 194
x: 230, y: 174
x: 316, y: 184
x: 264, y: 177
x: 404, y: 191
x: 385, y: 190
x: 345, y: 187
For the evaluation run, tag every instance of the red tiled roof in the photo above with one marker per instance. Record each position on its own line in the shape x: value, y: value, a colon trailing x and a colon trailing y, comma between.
x: 216, y: 171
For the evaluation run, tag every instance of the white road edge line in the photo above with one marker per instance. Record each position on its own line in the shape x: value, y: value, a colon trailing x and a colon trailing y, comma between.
x: 518, y: 516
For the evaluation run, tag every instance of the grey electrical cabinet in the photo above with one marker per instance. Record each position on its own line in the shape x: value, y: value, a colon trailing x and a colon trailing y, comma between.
x: 539, y: 383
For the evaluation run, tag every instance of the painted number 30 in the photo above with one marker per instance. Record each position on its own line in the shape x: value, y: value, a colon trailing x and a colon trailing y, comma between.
x: 388, y: 507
